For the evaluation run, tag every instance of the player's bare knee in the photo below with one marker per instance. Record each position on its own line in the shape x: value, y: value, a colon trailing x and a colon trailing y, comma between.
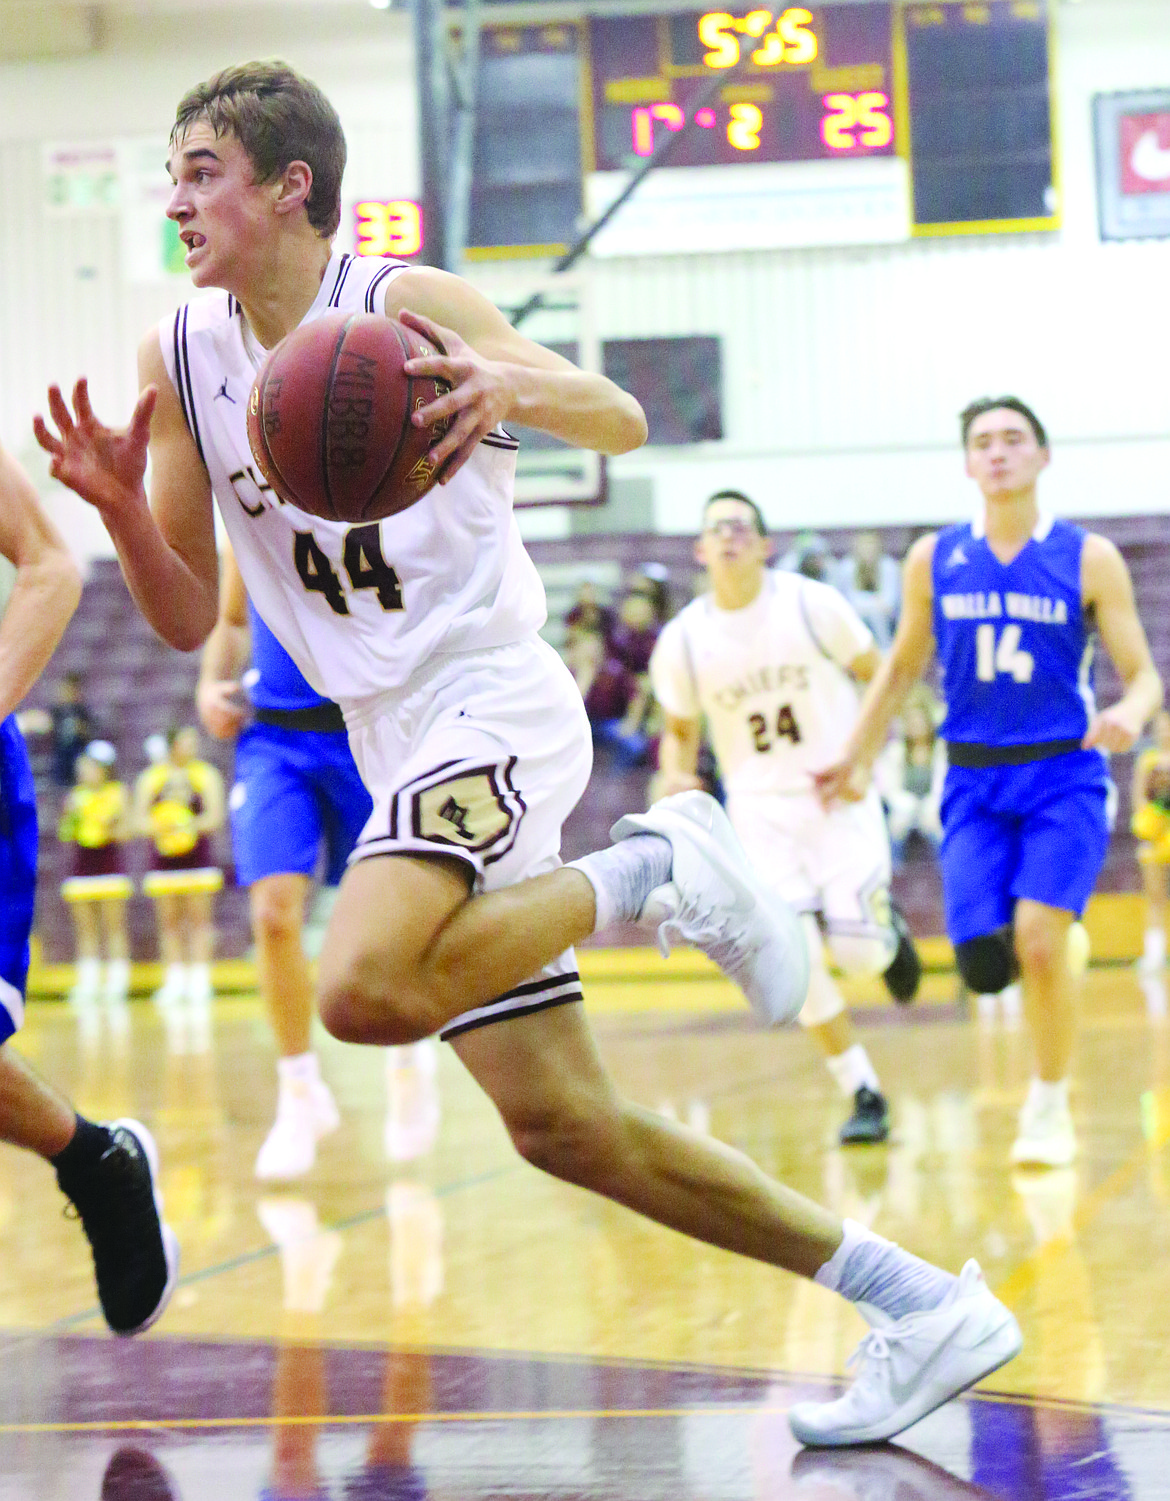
x: 276, y: 918
x: 568, y: 1142
x: 360, y: 1002
x: 1040, y: 945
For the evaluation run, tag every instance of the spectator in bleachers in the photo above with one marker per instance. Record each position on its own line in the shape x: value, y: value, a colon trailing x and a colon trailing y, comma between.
x: 872, y: 583
x: 72, y: 727
x: 617, y: 700
x: 95, y: 820
x: 179, y: 803
x: 1151, y: 828
x: 909, y: 775
x: 809, y: 555
x: 587, y: 613
x: 642, y: 612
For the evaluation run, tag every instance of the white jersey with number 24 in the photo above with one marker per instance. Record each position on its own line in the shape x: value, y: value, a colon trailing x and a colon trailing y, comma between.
x: 770, y: 678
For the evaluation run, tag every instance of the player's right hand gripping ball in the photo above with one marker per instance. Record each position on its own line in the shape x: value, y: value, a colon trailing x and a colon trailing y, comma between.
x: 329, y: 418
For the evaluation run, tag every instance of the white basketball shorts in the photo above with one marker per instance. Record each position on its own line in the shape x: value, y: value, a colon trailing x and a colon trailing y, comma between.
x: 834, y: 861
x: 481, y: 756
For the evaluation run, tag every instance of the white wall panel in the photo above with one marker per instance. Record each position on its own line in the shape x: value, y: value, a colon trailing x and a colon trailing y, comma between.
x: 843, y: 369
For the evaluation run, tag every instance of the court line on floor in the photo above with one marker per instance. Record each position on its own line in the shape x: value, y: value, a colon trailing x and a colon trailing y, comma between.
x: 349, y: 1420
x: 263, y: 1253
x: 1024, y: 1274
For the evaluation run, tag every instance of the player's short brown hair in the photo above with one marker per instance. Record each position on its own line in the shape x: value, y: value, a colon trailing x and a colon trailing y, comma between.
x: 743, y: 499
x: 993, y: 404
x: 278, y: 117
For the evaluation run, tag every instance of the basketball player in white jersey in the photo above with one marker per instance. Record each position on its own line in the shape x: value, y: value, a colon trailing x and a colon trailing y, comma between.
x: 771, y: 661
x: 455, y: 915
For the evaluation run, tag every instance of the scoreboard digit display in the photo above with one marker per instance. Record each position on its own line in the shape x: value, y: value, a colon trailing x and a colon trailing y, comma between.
x: 808, y: 85
x: 953, y: 94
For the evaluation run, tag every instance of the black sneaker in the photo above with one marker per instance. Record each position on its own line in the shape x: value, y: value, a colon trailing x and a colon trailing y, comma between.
x: 135, y: 1253
x: 904, y: 975
x: 870, y: 1120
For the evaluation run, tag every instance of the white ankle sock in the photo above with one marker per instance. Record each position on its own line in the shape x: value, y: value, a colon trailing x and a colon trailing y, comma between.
x: 881, y: 1279
x: 624, y: 875
x: 852, y: 1069
x: 1045, y: 1096
x: 301, y: 1068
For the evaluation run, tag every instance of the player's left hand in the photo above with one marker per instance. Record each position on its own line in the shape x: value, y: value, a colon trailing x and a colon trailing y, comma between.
x: 478, y: 401
x: 1113, y: 729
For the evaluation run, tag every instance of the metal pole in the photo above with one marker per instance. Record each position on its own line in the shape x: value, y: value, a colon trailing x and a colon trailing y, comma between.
x: 433, y: 124
x: 466, y: 78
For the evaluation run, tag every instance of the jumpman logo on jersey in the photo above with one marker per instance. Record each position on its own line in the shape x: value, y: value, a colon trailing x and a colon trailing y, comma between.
x: 455, y: 813
x: 223, y: 391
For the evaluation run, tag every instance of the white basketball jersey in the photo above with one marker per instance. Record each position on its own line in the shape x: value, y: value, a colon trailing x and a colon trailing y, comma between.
x: 359, y: 608
x: 769, y: 678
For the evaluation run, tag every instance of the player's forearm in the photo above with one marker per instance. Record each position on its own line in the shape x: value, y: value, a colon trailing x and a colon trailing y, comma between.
x: 1143, y: 695
x: 225, y: 653
x: 43, y: 600
x: 883, y: 699
x: 678, y: 755
x: 582, y: 409
x: 180, y: 607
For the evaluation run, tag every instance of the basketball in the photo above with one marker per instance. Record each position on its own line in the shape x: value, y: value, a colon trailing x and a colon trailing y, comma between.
x: 329, y: 418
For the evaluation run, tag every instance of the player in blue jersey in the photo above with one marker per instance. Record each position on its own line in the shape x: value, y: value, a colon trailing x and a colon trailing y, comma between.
x: 297, y: 794
x: 109, y: 1171
x: 1013, y: 602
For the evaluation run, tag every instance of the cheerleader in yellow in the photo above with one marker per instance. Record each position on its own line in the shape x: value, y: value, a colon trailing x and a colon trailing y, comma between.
x: 1151, y: 827
x: 179, y: 804
x: 95, y: 819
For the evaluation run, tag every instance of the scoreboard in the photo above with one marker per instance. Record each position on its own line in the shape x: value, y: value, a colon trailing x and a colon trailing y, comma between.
x: 806, y: 87
x: 956, y: 91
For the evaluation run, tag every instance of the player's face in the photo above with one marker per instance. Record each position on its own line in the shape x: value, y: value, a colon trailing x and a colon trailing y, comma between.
x: 1003, y: 456
x: 224, y: 215
x: 731, y: 539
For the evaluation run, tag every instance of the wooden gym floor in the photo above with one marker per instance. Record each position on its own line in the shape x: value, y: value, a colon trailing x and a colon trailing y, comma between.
x: 451, y: 1324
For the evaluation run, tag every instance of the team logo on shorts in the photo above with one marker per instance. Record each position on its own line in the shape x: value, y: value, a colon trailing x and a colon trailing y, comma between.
x: 473, y: 807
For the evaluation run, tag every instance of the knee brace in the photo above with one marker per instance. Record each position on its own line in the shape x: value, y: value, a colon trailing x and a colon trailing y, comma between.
x: 988, y: 963
x: 823, y: 1001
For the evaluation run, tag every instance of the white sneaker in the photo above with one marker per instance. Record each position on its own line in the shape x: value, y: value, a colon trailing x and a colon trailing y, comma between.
x: 1046, y: 1137
x: 913, y: 1367
x: 305, y: 1113
x: 413, y: 1109
x: 715, y: 901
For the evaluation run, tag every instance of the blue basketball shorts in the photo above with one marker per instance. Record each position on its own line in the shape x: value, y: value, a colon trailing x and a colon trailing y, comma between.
x: 297, y: 793
x: 18, y: 873
x: 1037, y: 832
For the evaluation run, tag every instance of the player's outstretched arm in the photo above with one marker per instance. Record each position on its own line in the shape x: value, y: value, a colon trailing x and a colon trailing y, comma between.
x: 497, y: 375
x: 906, y: 662
x: 167, y: 551
x: 47, y: 588
x: 225, y: 656
x: 1107, y: 589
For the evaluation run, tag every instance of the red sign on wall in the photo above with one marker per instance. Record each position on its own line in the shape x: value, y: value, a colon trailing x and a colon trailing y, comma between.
x: 1144, y: 145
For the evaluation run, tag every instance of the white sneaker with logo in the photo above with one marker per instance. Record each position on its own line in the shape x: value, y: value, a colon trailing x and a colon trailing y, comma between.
x: 716, y: 902
x: 914, y: 1366
x: 305, y: 1113
x: 1046, y: 1137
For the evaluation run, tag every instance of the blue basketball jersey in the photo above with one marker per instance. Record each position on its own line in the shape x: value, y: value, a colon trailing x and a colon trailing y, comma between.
x: 1014, y: 646
x: 274, y: 681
